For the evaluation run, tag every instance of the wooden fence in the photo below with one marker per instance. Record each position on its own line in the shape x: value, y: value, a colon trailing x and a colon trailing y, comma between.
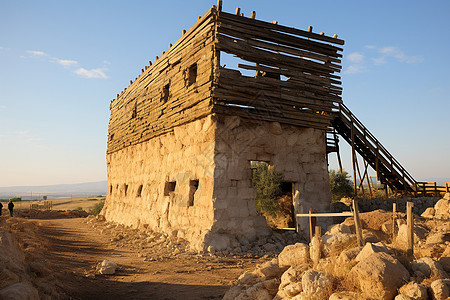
x: 45, y: 205
x: 431, y: 188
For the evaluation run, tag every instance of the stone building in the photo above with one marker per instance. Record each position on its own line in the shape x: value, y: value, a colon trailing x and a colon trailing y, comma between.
x: 183, y: 134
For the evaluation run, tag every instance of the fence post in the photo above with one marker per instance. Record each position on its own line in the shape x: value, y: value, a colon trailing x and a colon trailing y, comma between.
x: 312, y: 224
x: 394, y: 217
x: 410, y: 229
x: 358, y: 228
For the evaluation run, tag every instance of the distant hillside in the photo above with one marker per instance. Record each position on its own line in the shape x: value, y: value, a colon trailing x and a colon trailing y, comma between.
x: 55, y: 191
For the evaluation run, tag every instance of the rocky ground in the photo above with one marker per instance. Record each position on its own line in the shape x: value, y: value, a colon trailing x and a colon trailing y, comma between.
x: 333, y: 267
x: 61, y: 255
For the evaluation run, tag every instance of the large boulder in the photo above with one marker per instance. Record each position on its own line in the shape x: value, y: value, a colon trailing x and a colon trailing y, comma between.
x: 444, y: 260
x: 294, y: 255
x: 380, y: 275
x: 428, y: 213
x: 442, y: 208
x: 440, y: 289
x: 344, y: 296
x: 402, y: 236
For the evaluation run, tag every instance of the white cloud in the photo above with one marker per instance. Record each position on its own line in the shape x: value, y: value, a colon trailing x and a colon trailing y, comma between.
x: 395, y: 52
x: 65, y: 62
x: 36, y: 53
x: 2, y: 106
x: 21, y: 132
x: 92, y: 73
x: 355, y: 57
x: 355, y: 69
x: 4, y: 48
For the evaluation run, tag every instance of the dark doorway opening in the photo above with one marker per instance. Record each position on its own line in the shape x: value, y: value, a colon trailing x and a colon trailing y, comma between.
x: 286, y: 204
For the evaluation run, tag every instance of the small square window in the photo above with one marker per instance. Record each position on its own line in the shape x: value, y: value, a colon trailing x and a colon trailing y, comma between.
x: 139, y: 191
x: 169, y: 187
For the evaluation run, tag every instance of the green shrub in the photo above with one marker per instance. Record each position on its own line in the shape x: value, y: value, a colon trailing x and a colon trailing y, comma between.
x: 16, y: 199
x: 341, y: 185
x: 97, y: 208
x: 267, y: 183
x: 79, y: 208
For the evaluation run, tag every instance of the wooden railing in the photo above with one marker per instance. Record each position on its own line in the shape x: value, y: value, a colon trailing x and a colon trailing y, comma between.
x: 424, y: 188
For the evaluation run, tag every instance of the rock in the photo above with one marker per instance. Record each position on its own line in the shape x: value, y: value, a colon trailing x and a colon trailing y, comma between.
x: 315, y: 249
x: 293, y: 274
x: 317, y: 284
x: 333, y: 240
x: 248, y: 278
x: 294, y: 255
x: 346, y: 261
x: 270, y: 269
x: 436, y: 238
x: 234, y: 292
x: 419, y: 233
x: 428, y: 213
x: 369, y: 249
x: 428, y: 267
x: 414, y: 291
x: 379, y: 275
x: 339, y: 228
x: 21, y: 290
x: 446, y: 196
x: 8, y: 278
x: 442, y: 208
x: 440, y: 289
x: 269, y: 247
x: 444, y: 260
x: 344, y: 296
x: 106, y: 267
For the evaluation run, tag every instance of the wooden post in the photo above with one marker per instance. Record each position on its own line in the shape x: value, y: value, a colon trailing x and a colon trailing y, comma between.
x: 410, y: 229
x: 358, y: 228
x: 353, y: 159
x: 394, y: 217
x: 312, y: 224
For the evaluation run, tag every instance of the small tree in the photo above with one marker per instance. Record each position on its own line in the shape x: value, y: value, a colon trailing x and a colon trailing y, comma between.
x: 341, y: 185
x: 97, y: 208
x: 267, y: 183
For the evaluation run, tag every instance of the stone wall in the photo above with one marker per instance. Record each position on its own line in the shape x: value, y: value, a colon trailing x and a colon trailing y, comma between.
x: 299, y: 153
x: 420, y: 204
x: 140, y: 178
x: 196, y: 182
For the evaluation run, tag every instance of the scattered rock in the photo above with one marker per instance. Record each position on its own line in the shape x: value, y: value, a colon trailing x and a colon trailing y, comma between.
x: 317, y: 284
x: 428, y: 213
x: 21, y: 290
x: 294, y: 255
x: 414, y: 291
x: 106, y: 267
x: 344, y: 296
x: 442, y: 208
x: 428, y: 267
x: 369, y: 249
x: 440, y: 289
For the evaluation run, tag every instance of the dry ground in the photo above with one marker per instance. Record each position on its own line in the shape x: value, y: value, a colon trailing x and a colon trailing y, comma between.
x: 73, y: 248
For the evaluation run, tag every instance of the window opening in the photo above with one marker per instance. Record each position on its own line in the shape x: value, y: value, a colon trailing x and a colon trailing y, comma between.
x: 169, y: 187
x: 139, y: 191
x: 193, y: 187
x: 166, y: 92
x: 126, y: 189
x: 192, y: 74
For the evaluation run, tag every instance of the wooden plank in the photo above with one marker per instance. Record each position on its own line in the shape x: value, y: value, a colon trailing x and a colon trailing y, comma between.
x: 357, y: 220
x: 342, y: 214
x: 410, y: 229
x: 282, y: 28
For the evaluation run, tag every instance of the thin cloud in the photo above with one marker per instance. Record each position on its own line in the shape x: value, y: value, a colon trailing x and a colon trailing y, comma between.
x: 2, y: 106
x: 66, y: 63
x: 396, y: 53
x: 4, y: 48
x: 92, y: 73
x: 21, y: 132
x: 36, y: 53
x: 355, y: 57
x: 355, y: 69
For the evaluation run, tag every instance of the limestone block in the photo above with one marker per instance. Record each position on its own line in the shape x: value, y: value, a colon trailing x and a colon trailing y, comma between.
x: 440, y: 289
x: 21, y: 290
x: 316, y: 284
x: 413, y: 290
x: 428, y: 267
x: 380, y: 275
x: 369, y: 249
x: 294, y: 255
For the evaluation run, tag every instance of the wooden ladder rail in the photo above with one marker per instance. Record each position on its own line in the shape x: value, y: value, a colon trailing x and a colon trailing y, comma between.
x: 377, y: 150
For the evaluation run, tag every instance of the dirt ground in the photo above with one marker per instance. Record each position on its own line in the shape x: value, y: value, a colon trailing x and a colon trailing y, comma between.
x: 73, y: 248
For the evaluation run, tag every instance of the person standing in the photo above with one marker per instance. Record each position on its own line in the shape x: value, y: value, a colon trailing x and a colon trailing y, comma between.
x: 1, y: 207
x: 11, y: 207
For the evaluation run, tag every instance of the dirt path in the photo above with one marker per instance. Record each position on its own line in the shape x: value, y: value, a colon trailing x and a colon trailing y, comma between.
x: 75, y: 248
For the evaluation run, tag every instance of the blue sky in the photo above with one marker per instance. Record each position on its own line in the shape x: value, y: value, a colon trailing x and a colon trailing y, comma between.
x: 61, y: 62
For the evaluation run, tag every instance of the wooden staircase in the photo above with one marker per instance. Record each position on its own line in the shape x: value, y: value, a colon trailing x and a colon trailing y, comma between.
x: 389, y: 170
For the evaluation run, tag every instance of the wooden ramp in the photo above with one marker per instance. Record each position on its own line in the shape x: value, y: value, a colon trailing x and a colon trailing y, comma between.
x: 389, y: 170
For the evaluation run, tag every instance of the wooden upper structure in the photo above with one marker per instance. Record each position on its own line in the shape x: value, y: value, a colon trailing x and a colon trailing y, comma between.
x: 296, y: 79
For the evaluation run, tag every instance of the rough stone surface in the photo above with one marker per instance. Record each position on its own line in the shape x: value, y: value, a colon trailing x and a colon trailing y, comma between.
x: 440, y: 289
x: 419, y: 234
x: 317, y: 284
x: 380, y: 275
x: 442, y: 208
x: 415, y: 291
x: 344, y: 296
x: 294, y: 255
x: 107, y: 267
x: 428, y: 213
x: 369, y: 249
x: 21, y: 290
x: 196, y: 180
x: 428, y: 267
